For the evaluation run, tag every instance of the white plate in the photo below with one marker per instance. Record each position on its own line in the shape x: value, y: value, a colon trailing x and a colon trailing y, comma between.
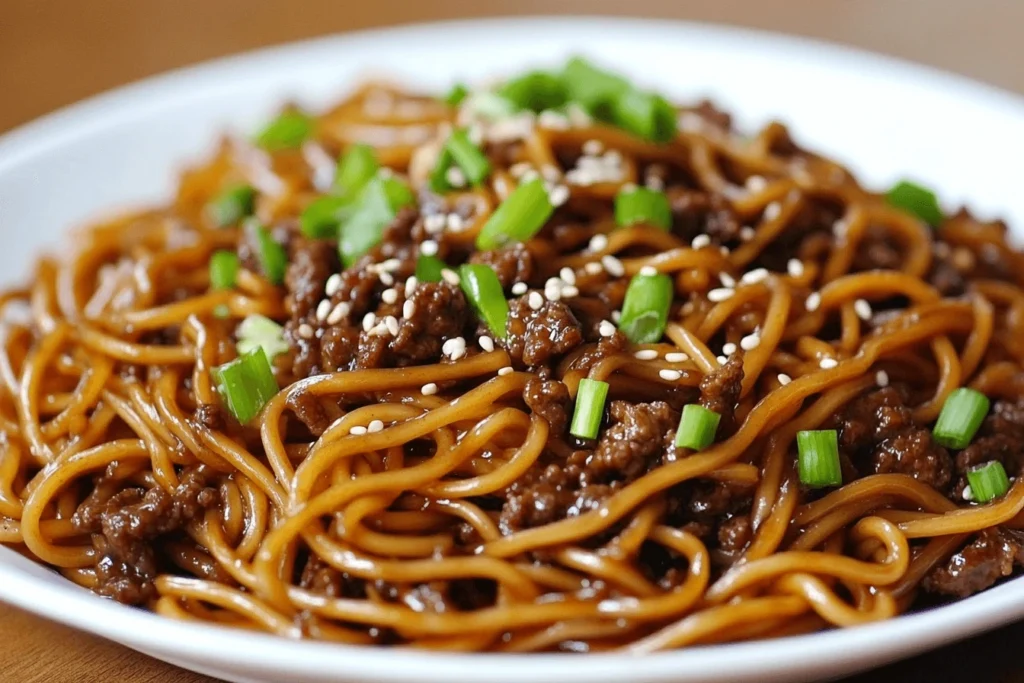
x: 884, y: 118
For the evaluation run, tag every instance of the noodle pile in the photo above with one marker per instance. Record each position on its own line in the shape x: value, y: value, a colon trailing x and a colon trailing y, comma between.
x: 393, y: 534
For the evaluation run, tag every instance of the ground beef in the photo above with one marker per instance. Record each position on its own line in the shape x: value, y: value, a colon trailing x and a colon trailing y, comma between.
x: 210, y: 415
x: 877, y: 251
x: 310, y: 264
x: 988, y: 558
x: 734, y: 534
x: 720, y: 390
x: 124, y: 524
x: 549, y: 399
x: 605, y: 348
x: 633, y: 442
x: 707, y: 110
x: 536, y: 337
x: 512, y: 265
x: 695, y: 212
x: 1000, y: 438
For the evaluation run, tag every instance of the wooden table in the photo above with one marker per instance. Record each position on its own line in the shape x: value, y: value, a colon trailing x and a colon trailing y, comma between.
x: 53, y: 52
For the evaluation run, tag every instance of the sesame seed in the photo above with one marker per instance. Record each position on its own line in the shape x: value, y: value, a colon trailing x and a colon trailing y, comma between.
x: 772, y: 211
x: 379, y: 330
x: 862, y: 308
x: 606, y: 328
x: 528, y: 175
x: 882, y: 378
x: 754, y: 276
x: 358, y: 430
x: 338, y: 312
x: 968, y: 494
x: 750, y: 342
x: 648, y: 271
x: 455, y: 348
x: 701, y: 241
x: 323, y: 309
x: 450, y: 276
x: 389, y: 296
x: 455, y: 222
x: 676, y: 357
x: 410, y: 285
x: 429, y: 247
x: 434, y: 223
x: 428, y: 389
x: 593, y: 147
x: 306, y: 330
x: 387, y: 279
x: 507, y: 370
x: 455, y: 177
x: 747, y: 233
x: 827, y: 363
x: 720, y: 294
x: 559, y: 195
x: 375, y: 426
x: 756, y: 183
x: 727, y: 280
x: 333, y: 284
x: 722, y: 360
x: 391, y: 264
x: 598, y: 243
x: 616, y: 317
x: 369, y: 320
x: 519, y: 288
x: 486, y: 343
x: 645, y: 354
x: 391, y: 322
x: 813, y: 301
x: 552, y: 120
x: 613, y: 265
x: 593, y: 268
x: 408, y: 309
x: 517, y: 170
x: 784, y: 379
x: 728, y: 348
x: 569, y: 291
x: 795, y: 267
x: 535, y: 301
x: 568, y: 275
x: 670, y: 375
x: 550, y: 172
x: 839, y: 228
x: 723, y: 250
x: 654, y: 182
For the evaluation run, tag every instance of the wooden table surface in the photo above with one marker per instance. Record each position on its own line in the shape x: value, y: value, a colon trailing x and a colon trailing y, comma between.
x: 53, y: 52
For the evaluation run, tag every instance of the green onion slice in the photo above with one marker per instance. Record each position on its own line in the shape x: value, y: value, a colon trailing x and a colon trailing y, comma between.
x: 246, y: 384
x: 258, y: 331
x: 357, y: 167
x: 223, y: 269
x: 375, y: 208
x: 323, y: 216
x: 645, y: 309
x: 429, y: 268
x: 645, y: 115
x: 818, y: 459
x: 915, y: 200
x: 288, y: 131
x: 232, y: 205
x: 536, y: 91
x: 518, y: 218
x: 988, y: 481
x: 468, y: 157
x: 589, y: 410
x: 455, y: 96
x: 961, y: 416
x: 488, y: 105
x: 697, y: 427
x: 483, y: 289
x: 591, y: 87
x: 272, y: 257
x: 642, y: 205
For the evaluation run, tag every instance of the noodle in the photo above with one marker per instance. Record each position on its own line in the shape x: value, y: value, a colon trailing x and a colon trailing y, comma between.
x: 413, y: 480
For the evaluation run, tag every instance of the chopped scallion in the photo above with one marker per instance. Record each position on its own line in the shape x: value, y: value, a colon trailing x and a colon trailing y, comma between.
x: 645, y: 308
x: 536, y: 91
x: 231, y: 205
x: 961, y: 416
x: 988, y: 481
x: 697, y: 427
x: 519, y: 217
x: 322, y: 217
x: 428, y: 268
x: 818, y: 458
x: 356, y: 168
x: 642, y: 205
x: 377, y: 205
x: 468, y: 157
x: 260, y: 331
x: 589, y: 410
x: 455, y: 96
x: 288, y: 131
x: 483, y: 289
x: 223, y: 269
x: 645, y: 115
x: 272, y: 257
x: 246, y: 384
x: 591, y: 87
x: 488, y: 105
x: 915, y: 200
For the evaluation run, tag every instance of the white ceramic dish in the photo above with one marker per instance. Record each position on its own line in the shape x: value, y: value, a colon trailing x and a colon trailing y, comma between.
x: 883, y: 117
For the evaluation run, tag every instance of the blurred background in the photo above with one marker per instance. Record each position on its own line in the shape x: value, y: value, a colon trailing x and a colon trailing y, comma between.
x: 54, y: 52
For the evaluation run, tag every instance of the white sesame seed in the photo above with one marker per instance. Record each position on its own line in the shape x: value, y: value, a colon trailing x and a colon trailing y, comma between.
x: 306, y: 331
x: 375, y: 426
x: 323, y: 309
x: 529, y: 175
x: 720, y: 294
x: 701, y: 241
x: 754, y: 276
x: 535, y: 301
x: 392, y: 324
x: 606, y: 328
x: 784, y: 379
x: 728, y: 348
x: 428, y: 389
x: 750, y: 342
x: 676, y: 357
x: 550, y: 172
x: 486, y: 343
x: 747, y: 233
x: 559, y: 195
x: 613, y: 265
x: 570, y: 291
x: 519, y: 288
x: 648, y: 271
x: 408, y: 309
x: 772, y: 211
x: 722, y: 360
x: 455, y: 177
x: 593, y: 268
x: 379, y: 330
x: 654, y: 182
x: 410, y: 285
x: 813, y: 301
x: 434, y: 223
x: 839, y: 229
x: 795, y: 267
x: 968, y: 494
x: 358, y: 430
x: 598, y: 243
x: 882, y: 378
x: 333, y: 284
x: 862, y: 308
x: 369, y: 320
x: 827, y: 363
x: 593, y: 147
x: 389, y: 296
x: 645, y: 354
x: 568, y: 275
x: 727, y: 280
x: 552, y: 120
x: 616, y: 317
x: 553, y: 293
x: 391, y: 265
x: 723, y: 250
x: 429, y: 247
x: 450, y: 276
x: 517, y: 170
x: 670, y: 375
x: 338, y: 312
x: 387, y: 279
x: 756, y: 183
x: 455, y: 222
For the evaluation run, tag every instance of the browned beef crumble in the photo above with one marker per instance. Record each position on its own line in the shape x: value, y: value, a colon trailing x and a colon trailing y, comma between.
x: 550, y: 399
x: 512, y: 265
x: 991, y: 556
x: 720, y: 390
x: 536, y: 337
